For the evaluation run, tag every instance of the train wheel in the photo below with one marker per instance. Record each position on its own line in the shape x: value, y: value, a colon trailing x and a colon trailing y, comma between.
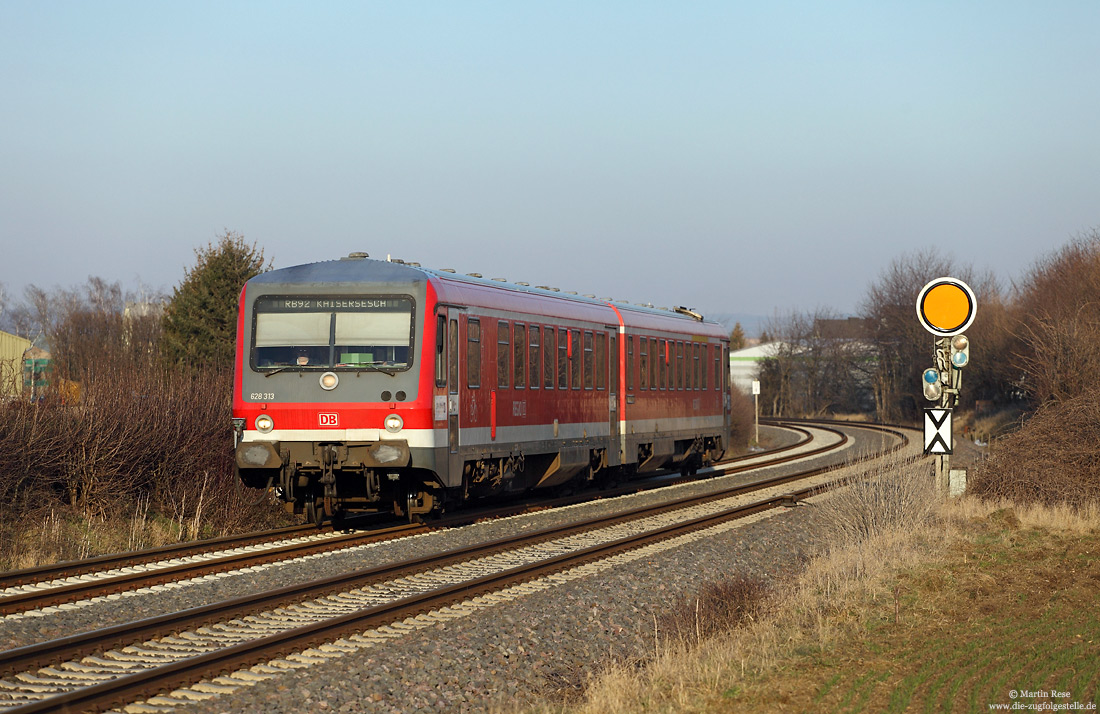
x: 313, y: 514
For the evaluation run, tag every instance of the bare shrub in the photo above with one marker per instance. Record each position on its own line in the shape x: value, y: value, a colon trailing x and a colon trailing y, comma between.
x: 742, y: 419
x: 718, y: 607
x: 898, y: 494
x: 1059, y: 309
x: 1051, y: 459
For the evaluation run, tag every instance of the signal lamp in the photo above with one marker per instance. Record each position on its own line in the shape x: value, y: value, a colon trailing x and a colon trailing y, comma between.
x: 329, y: 380
x: 932, y: 391
x: 931, y: 375
x: 393, y: 423
x: 960, y: 351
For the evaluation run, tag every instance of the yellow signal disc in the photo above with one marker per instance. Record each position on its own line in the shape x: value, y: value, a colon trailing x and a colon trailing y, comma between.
x: 945, y: 306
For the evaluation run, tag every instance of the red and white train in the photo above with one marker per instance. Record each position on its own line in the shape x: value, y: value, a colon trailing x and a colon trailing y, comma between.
x: 375, y: 385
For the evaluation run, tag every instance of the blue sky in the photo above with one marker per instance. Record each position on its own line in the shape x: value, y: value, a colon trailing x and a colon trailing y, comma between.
x: 735, y: 157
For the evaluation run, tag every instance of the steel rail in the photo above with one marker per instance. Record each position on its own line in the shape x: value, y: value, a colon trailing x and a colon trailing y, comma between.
x: 167, y: 677
x: 47, y: 594
x: 74, y: 646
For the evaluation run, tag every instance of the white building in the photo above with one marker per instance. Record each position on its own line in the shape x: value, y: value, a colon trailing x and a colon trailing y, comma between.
x: 745, y: 364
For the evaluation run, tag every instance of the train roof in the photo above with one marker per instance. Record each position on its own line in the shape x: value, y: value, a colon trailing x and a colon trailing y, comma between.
x: 358, y: 268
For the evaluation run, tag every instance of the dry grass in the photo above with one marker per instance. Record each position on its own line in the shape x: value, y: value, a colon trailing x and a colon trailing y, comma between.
x: 862, y: 628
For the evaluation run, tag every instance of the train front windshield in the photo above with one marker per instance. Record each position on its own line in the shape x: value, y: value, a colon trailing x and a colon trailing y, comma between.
x: 301, y: 332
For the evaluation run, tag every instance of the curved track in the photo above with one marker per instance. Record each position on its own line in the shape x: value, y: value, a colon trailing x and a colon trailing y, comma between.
x: 154, y: 655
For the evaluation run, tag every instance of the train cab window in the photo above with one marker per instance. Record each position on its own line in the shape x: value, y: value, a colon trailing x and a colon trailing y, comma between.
x: 363, y: 333
x: 703, y: 366
x: 534, y: 360
x: 549, y: 355
x: 504, y: 356
x: 629, y: 363
x: 563, y: 359
x: 473, y: 354
x: 575, y: 359
x: 440, y: 351
x: 520, y: 362
x: 452, y: 357
x: 614, y: 354
x: 643, y: 363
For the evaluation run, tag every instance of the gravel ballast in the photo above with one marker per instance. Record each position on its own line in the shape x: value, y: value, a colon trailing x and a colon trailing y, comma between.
x: 542, y: 644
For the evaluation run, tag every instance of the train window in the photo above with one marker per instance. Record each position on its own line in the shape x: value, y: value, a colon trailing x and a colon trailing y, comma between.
x: 575, y: 359
x: 563, y: 359
x: 589, y: 372
x: 695, y: 366
x: 726, y: 371
x: 662, y: 352
x: 520, y: 363
x: 315, y: 332
x: 703, y: 350
x: 473, y: 354
x: 504, y: 356
x: 679, y: 365
x: 440, y: 351
x: 601, y: 361
x: 629, y: 363
x: 549, y: 354
x: 533, y: 362
x: 717, y: 368
x: 452, y: 357
x: 654, y: 359
x: 643, y: 363
x: 614, y: 354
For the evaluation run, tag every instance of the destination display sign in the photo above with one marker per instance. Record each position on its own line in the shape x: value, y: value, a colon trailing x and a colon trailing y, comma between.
x: 308, y: 303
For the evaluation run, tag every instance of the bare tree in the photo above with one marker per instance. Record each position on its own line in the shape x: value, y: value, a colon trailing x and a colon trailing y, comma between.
x: 903, y: 348
x: 1058, y: 322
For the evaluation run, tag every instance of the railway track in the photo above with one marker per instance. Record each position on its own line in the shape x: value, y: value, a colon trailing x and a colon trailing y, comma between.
x: 52, y: 585
x: 101, y: 668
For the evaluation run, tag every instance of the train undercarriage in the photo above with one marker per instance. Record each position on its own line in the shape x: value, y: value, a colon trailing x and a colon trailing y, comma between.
x: 326, y: 480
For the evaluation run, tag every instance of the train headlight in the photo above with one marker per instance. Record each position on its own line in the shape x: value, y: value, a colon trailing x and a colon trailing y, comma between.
x: 394, y: 423
x: 264, y: 423
x: 329, y: 380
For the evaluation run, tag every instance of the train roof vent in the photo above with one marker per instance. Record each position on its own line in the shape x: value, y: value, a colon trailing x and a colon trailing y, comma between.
x: 570, y: 292
x: 590, y: 295
x: 526, y: 285
x: 690, y: 313
x: 474, y: 275
x: 556, y: 290
x: 501, y: 280
x: 357, y: 255
x: 543, y: 287
x: 415, y: 265
x: 446, y: 270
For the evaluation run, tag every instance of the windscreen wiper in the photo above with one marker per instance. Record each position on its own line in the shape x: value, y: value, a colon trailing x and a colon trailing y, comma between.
x: 372, y: 367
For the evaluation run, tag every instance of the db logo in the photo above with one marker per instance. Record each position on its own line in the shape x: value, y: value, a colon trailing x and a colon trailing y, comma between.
x: 328, y: 419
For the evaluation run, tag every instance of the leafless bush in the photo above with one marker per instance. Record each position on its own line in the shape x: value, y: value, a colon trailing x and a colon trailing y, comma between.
x: 742, y: 418
x: 898, y: 494
x: 1050, y: 460
x: 117, y: 433
x: 1059, y: 322
x: 719, y: 606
